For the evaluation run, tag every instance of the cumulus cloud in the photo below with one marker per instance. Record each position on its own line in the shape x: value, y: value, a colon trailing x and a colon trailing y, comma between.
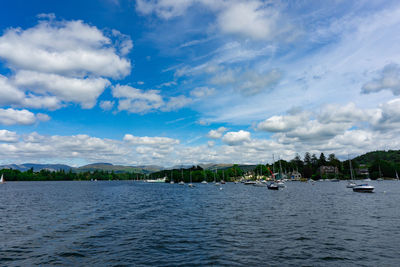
x: 216, y: 134
x: 60, y: 61
x: 62, y: 47
x: 12, y: 116
x: 283, y: 123
x: 8, y: 136
x: 106, y: 105
x: 9, y: 94
x: 176, y: 102
x: 347, y: 113
x: 389, y: 79
x: 152, y: 141
x: 236, y: 138
x: 84, y: 91
x: 136, y: 100
x: 249, y: 19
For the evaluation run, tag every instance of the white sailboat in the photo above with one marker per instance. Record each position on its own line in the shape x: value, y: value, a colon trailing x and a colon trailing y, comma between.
x: 397, y: 176
x: 190, y: 184
x: 172, y: 178
x: 351, y: 184
x: 215, y: 181
x: 205, y: 179
x: 2, y: 181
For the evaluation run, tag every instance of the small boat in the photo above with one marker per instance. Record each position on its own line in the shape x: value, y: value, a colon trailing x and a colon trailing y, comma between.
x: 250, y: 182
x: 273, y: 186
x: 367, y: 180
x: 190, y: 184
x: 159, y: 180
x: 363, y: 188
x: 351, y: 184
x: 335, y: 180
x: 2, y: 181
x: 259, y: 184
x: 204, y: 182
x: 182, y: 181
x: 280, y: 184
x: 379, y: 179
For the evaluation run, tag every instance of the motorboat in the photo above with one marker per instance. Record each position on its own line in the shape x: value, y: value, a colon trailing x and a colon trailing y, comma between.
x: 250, y: 182
x: 273, y: 186
x: 363, y: 188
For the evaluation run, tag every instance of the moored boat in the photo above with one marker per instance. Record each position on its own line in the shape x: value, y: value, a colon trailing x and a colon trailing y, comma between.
x: 363, y: 188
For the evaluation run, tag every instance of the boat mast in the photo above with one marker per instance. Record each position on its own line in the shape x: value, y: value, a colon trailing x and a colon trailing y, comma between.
x: 351, y: 168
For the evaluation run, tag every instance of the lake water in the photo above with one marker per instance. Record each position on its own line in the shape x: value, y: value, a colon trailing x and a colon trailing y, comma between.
x: 141, y: 224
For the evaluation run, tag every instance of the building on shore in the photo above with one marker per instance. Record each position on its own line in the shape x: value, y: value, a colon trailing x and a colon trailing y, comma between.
x: 328, y: 170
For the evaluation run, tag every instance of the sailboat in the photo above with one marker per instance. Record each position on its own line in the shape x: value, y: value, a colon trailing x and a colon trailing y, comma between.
x: 204, y: 181
x: 190, y: 184
x: 2, y: 181
x: 215, y: 181
x: 273, y: 185
x: 351, y: 184
x: 223, y: 177
x: 380, y: 174
x: 182, y: 182
x: 172, y: 177
x: 280, y: 183
x: 397, y: 176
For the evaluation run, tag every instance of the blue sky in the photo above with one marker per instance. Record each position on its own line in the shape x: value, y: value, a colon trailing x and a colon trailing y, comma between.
x: 197, y: 81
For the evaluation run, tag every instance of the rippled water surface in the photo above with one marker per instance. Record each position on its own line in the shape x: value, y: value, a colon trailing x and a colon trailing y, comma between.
x: 134, y: 223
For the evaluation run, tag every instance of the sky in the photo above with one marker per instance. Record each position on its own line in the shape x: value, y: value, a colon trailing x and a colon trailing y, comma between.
x: 180, y: 82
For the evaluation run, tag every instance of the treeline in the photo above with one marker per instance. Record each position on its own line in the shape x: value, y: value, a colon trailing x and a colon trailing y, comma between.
x: 378, y: 163
x: 198, y: 174
x: 61, y: 175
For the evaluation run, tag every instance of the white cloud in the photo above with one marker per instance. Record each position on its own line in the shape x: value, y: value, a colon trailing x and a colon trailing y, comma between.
x: 57, y: 62
x: 9, y: 94
x: 150, y: 141
x: 67, y: 89
x: 249, y: 19
x: 283, y: 123
x: 136, y: 100
x: 346, y: 113
x: 8, y: 136
x: 106, y: 105
x: 200, y: 92
x: 42, y: 117
x: 389, y: 80
x: 236, y: 138
x: 216, y: 134
x: 12, y: 116
x: 64, y: 48
x: 176, y: 102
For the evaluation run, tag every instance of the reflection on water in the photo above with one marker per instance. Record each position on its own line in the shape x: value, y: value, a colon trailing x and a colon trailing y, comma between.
x: 134, y: 223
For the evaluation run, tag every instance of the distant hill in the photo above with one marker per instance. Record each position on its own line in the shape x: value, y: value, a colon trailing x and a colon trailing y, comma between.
x: 36, y: 167
x: 117, y: 168
x: 368, y: 158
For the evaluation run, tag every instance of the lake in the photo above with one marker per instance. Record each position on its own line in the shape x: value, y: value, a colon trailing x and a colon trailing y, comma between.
x: 135, y: 223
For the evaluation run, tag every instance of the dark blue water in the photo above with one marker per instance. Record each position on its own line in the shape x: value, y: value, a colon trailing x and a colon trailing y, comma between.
x: 133, y: 223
